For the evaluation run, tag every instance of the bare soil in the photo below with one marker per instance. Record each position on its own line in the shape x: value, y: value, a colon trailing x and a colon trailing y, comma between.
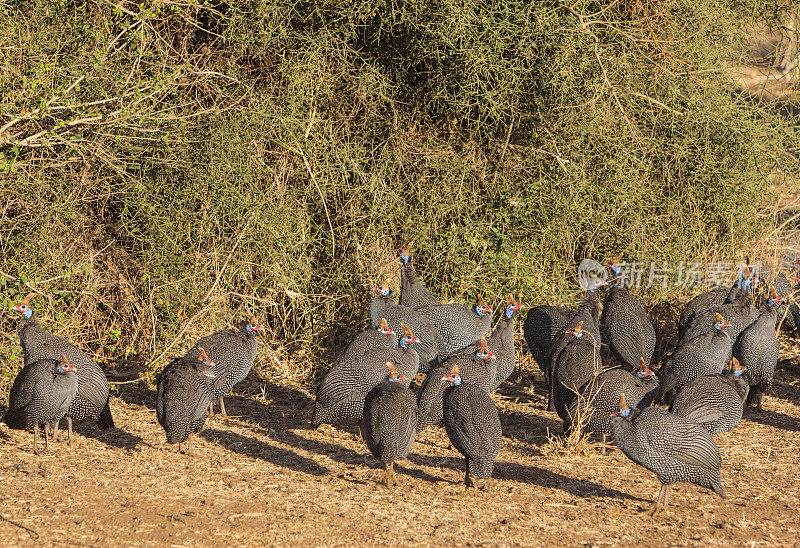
x: 262, y: 477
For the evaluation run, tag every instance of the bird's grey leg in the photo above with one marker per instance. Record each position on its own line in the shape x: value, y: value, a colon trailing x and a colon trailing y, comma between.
x: 605, y: 444
x: 69, y: 430
x: 35, y: 435
x: 467, y: 477
x: 211, y: 408
x: 388, y: 478
x: 55, y: 431
x: 222, y: 407
x: 46, y: 440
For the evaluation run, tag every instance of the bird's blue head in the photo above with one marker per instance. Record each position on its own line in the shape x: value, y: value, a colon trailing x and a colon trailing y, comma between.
x: 394, y: 376
x: 736, y: 368
x: 253, y: 325
x: 643, y: 372
x: 484, y: 353
x: 383, y: 290
x: 408, y: 336
x: 64, y: 366
x: 482, y: 308
x: 24, y: 307
x: 576, y: 331
x: 453, y: 376
x: 720, y: 322
x: 405, y: 253
x: 511, y: 306
x: 624, y: 410
x: 774, y: 298
x: 384, y: 328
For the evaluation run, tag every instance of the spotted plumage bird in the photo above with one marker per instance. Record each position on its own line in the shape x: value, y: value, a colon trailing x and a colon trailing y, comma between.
x: 459, y: 325
x: 600, y: 397
x: 542, y: 325
x: 429, y: 345
x: 91, y: 400
x: 674, y: 448
x: 40, y: 397
x: 233, y: 352
x: 390, y: 421
x: 705, y: 354
x: 756, y: 349
x: 576, y: 365
x: 478, y: 368
x: 473, y: 426
x: 341, y: 393
x: 184, y: 391
x: 625, y: 326
x: 588, y: 314
x: 715, y: 401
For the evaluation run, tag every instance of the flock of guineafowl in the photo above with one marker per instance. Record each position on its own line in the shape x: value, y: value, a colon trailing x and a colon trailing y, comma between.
x: 369, y: 382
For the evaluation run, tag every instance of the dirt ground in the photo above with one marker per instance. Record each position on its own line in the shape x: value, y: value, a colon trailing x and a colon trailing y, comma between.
x: 262, y: 477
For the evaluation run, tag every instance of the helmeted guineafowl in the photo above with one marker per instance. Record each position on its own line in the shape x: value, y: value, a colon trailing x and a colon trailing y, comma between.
x: 625, y: 326
x: 390, y: 421
x: 429, y: 346
x: 233, y: 352
x: 709, y: 300
x: 600, y: 397
x: 40, y: 396
x: 542, y: 324
x: 473, y: 426
x: 715, y: 401
x: 92, y: 397
x: 478, y: 368
x: 756, y: 348
x: 413, y: 293
x: 674, y: 448
x: 739, y: 312
x: 703, y: 355
x: 588, y: 313
x: 183, y: 396
x: 341, y: 393
x: 459, y: 325
x: 575, y: 365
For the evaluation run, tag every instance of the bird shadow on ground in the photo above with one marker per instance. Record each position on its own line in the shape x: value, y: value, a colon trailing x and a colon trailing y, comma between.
x: 528, y: 428
x: 774, y: 419
x: 257, y: 449
x: 136, y: 394
x: 115, y: 437
x: 545, y: 478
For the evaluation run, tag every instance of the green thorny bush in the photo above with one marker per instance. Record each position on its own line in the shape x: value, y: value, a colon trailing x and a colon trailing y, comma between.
x: 170, y: 165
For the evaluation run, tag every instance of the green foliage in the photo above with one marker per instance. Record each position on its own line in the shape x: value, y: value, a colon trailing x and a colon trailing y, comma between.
x: 509, y: 139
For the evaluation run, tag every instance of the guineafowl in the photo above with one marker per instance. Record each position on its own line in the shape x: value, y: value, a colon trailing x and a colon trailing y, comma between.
x: 542, y: 324
x: 429, y: 346
x: 413, y: 293
x: 40, y: 396
x: 478, y: 368
x: 341, y: 393
x: 703, y: 355
x: 674, y: 448
x: 576, y: 365
x: 390, y: 421
x: 233, y: 352
x: 739, y: 312
x: 756, y: 349
x: 459, y: 325
x: 589, y: 314
x: 473, y: 426
x: 600, y: 397
x: 708, y: 301
x: 625, y: 326
x: 91, y: 400
x: 184, y: 391
x: 715, y: 401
